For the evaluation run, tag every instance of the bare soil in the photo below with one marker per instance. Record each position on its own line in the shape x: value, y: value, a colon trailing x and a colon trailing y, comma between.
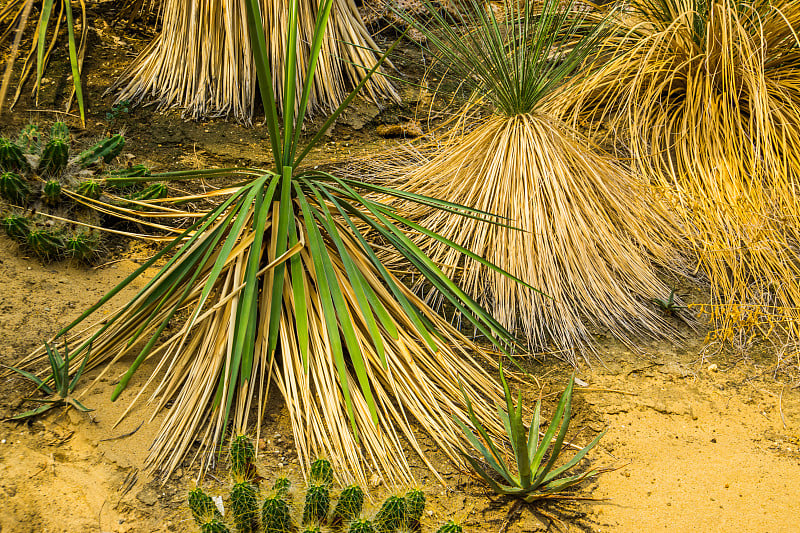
x: 705, y: 439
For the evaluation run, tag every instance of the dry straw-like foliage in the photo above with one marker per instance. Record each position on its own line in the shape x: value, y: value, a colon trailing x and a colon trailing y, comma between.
x: 203, y: 61
x: 705, y: 97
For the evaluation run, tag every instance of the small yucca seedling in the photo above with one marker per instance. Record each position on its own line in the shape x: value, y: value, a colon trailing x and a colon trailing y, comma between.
x: 391, y: 516
x: 47, y: 244
x: 63, y: 384
x: 321, y: 472
x: 13, y: 188
x: 317, y: 503
x: 535, y: 479
x: 243, y: 457
x: 244, y: 506
x: 51, y: 192
x: 202, y: 507
x: 361, y: 526
x: 17, y: 227
x: 450, y: 527
x: 349, y: 506
x: 275, y: 516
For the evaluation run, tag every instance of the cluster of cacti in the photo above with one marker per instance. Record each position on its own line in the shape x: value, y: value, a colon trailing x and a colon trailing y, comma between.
x: 398, y: 514
x: 38, y: 175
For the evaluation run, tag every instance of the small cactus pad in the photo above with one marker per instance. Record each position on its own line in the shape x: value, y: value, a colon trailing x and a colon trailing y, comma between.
x: 244, y: 507
x: 349, y: 506
x: 51, y: 191
x: 361, y: 526
x: 90, y: 188
x: 321, y: 472
x: 391, y: 516
x: 54, y: 157
x: 13, y: 188
x: 281, y: 487
x: 214, y: 526
x: 415, y: 506
x: 450, y: 527
x: 202, y: 506
x: 242, y: 456
x: 317, y: 503
x: 17, y: 227
x: 275, y: 516
x: 11, y: 157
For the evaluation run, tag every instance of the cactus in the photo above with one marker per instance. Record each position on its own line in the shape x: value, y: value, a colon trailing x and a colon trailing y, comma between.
x: 361, y: 526
x: 214, y: 526
x: 152, y: 192
x: 107, y: 149
x: 90, y: 188
x: 321, y: 472
x: 415, y: 506
x: 83, y: 246
x: 244, y: 506
x: 54, y: 157
x: 202, y: 507
x: 450, y: 527
x: 312, y: 530
x: 242, y: 457
x: 17, y: 227
x: 391, y: 515
x: 13, y: 188
x: 281, y: 487
x: 51, y: 192
x: 117, y: 178
x: 349, y: 506
x: 275, y: 516
x: 46, y: 244
x: 318, y: 501
x: 59, y: 130
x: 11, y: 157
x: 29, y: 139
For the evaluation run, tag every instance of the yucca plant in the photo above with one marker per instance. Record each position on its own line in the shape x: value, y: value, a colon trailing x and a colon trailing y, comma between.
x: 15, y: 16
x: 703, y: 96
x: 579, y: 228
x: 63, y: 383
x: 280, y: 283
x: 216, y: 76
x: 537, y: 474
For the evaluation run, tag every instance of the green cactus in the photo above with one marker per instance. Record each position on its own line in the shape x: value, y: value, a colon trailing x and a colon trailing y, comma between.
x: 51, y: 192
x: 242, y: 457
x: 415, y: 506
x: 349, y: 506
x: 13, y: 188
x: 59, y: 130
x: 318, y: 501
x: 17, y: 227
x: 281, y: 487
x: 244, y: 506
x: 275, y: 516
x: 83, y: 246
x: 450, y: 527
x: 118, y: 178
x: 361, y: 526
x: 47, y: 244
x: 214, y: 526
x: 107, y: 150
x: 391, y: 515
x: 203, y: 508
x: 312, y: 530
x: 321, y: 472
x: 29, y: 139
x: 90, y: 188
x: 12, y: 158
x: 54, y: 157
x: 151, y: 192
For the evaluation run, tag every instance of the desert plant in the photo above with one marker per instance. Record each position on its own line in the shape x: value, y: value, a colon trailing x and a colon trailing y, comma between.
x: 349, y: 505
x: 391, y: 516
x: 702, y: 97
x: 212, y: 77
x: 535, y: 478
x: 579, y: 228
x: 281, y: 280
x: 450, y: 527
x: 63, y: 384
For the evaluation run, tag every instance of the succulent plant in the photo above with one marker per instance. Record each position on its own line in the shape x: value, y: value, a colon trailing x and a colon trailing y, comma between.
x: 242, y: 457
x: 391, y: 516
x: 83, y: 246
x: 17, y: 227
x: 202, y: 507
x: 349, y: 506
x: 450, y: 527
x: 244, y: 506
x: 317, y: 504
x: 47, y: 243
x: 105, y: 150
x: 361, y: 526
x: 214, y: 526
x: 55, y: 157
x: 29, y: 139
x: 51, y: 192
x: 321, y: 472
x: 90, y: 188
x: 281, y: 487
x: 59, y: 130
x: 415, y: 506
x: 151, y: 192
x: 11, y: 157
x: 13, y: 188
x: 275, y: 516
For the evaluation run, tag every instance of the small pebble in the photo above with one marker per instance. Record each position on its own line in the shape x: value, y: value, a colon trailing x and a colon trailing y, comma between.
x: 713, y: 368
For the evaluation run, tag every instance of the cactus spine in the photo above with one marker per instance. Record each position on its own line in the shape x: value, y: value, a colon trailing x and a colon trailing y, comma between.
x: 59, y: 130
x: 83, y: 246
x: 349, y: 506
x: 46, y: 244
